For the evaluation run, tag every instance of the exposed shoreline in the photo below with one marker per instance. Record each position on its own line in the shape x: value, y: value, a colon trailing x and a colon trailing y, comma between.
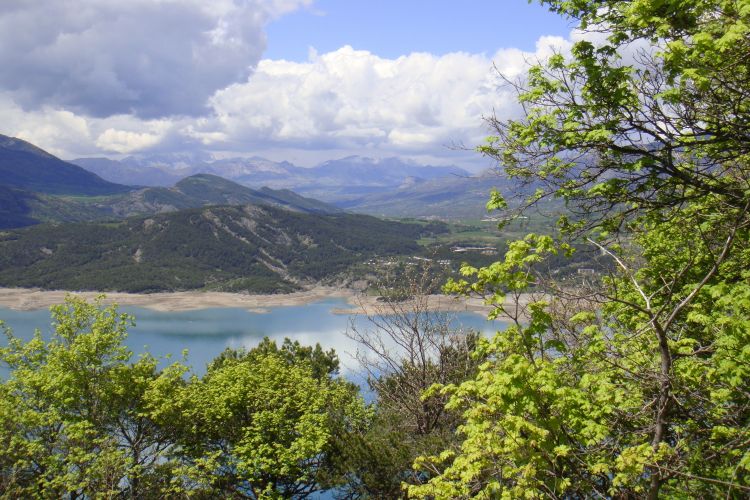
x: 27, y: 299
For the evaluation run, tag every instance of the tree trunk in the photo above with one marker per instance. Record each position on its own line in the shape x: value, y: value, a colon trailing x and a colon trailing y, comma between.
x: 662, y: 409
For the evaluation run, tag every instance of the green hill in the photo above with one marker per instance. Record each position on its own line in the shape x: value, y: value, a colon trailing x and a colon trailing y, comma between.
x: 204, y: 189
x: 251, y: 248
x: 26, y: 167
x: 19, y: 208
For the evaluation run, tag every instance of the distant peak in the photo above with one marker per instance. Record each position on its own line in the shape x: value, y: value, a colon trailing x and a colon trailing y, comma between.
x: 202, y: 177
x: 352, y: 159
x: 16, y: 144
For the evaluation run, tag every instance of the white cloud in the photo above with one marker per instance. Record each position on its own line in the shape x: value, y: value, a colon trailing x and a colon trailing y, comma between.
x: 67, y: 135
x: 356, y: 97
x: 345, y: 100
x: 58, y: 131
x: 121, y: 140
x: 150, y: 58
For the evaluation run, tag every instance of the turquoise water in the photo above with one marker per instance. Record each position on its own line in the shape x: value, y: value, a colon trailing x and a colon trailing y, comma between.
x: 207, y: 332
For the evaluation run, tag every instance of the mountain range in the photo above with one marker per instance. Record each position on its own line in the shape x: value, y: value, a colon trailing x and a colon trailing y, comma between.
x: 204, y: 232
x: 391, y: 187
x: 39, y: 187
x: 339, y: 175
x: 35, y: 187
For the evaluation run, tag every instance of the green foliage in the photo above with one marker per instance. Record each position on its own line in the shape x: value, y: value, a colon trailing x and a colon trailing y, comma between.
x: 568, y: 403
x: 256, y: 249
x: 260, y: 426
x: 673, y: 120
x: 633, y: 386
x: 74, y: 413
x: 79, y: 417
x: 324, y: 364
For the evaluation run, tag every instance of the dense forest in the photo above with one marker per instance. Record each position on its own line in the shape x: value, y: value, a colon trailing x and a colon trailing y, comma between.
x: 631, y: 384
x: 257, y: 249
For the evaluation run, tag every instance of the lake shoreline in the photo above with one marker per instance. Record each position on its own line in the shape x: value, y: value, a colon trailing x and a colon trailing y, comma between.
x: 27, y: 299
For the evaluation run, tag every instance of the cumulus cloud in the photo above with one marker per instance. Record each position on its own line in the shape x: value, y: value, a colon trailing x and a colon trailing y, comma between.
x: 58, y: 131
x: 149, y: 58
x: 127, y: 138
x: 68, y: 135
x: 353, y: 98
x: 344, y: 101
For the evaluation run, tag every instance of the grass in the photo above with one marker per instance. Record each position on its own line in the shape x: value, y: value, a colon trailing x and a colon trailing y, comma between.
x: 467, y: 232
x: 89, y: 199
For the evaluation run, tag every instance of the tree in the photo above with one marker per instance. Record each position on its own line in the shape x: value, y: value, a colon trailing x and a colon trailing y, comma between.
x: 620, y: 137
x: 324, y: 364
x: 80, y: 418
x: 74, y: 416
x: 263, y: 423
x: 634, y: 385
x: 406, y: 349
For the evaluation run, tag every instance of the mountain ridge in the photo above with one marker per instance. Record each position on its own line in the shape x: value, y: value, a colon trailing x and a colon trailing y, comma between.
x: 37, y: 187
x: 207, y: 189
x: 345, y: 172
x: 27, y: 167
x: 251, y: 248
x: 391, y: 187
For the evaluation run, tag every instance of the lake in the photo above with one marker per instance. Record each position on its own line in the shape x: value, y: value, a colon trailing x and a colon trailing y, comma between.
x: 205, y: 333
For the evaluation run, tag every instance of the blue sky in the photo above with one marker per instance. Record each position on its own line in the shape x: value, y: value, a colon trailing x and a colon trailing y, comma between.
x: 391, y: 28
x: 298, y: 80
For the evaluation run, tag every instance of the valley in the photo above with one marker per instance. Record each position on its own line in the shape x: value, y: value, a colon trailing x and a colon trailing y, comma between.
x: 390, y: 187
x: 72, y: 230
x: 308, y: 249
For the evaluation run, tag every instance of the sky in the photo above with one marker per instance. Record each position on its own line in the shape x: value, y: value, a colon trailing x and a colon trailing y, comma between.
x: 297, y: 80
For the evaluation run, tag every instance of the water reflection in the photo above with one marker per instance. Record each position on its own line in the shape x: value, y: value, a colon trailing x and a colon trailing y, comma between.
x: 205, y: 333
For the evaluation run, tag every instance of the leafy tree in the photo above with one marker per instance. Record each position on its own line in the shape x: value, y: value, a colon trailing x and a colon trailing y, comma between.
x: 619, y: 135
x: 80, y: 418
x: 74, y: 412
x: 324, y: 364
x: 263, y: 423
x: 634, y: 385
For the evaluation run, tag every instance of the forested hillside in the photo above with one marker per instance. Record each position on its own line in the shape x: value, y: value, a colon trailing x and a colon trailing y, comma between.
x: 24, y: 166
x: 249, y: 248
